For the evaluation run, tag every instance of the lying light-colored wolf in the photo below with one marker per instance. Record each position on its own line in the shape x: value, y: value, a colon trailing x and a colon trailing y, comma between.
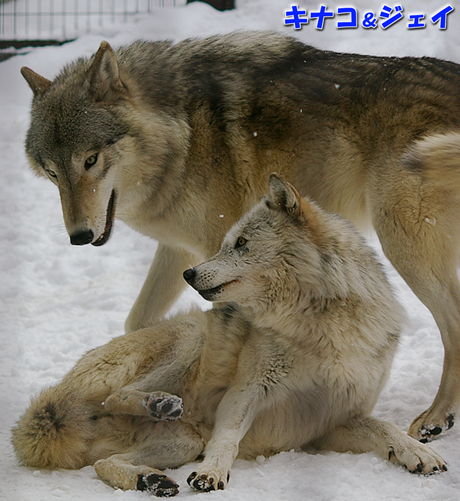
x: 298, y: 356
x: 178, y: 140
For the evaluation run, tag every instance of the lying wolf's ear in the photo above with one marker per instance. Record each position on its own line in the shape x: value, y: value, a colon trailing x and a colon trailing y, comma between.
x: 37, y: 83
x: 283, y: 196
x: 103, y: 74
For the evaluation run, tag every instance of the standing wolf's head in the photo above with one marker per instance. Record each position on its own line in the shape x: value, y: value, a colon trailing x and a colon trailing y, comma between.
x: 286, y: 251
x: 74, y: 140
x: 91, y: 135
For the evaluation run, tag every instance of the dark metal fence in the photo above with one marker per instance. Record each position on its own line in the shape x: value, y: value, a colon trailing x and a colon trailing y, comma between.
x: 60, y: 20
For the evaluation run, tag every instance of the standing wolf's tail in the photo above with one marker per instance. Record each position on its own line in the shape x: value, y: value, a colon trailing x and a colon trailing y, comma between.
x: 436, y: 158
x: 53, y: 431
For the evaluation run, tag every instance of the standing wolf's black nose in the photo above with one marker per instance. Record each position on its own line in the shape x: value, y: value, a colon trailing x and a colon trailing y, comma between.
x: 189, y: 274
x: 82, y: 237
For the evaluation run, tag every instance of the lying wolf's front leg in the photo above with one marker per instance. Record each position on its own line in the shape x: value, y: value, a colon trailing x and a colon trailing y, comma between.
x: 157, y: 404
x: 234, y: 416
x: 365, y: 434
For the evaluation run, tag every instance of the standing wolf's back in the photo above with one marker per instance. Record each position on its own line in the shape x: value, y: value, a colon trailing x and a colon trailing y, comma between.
x: 260, y: 102
x: 266, y: 102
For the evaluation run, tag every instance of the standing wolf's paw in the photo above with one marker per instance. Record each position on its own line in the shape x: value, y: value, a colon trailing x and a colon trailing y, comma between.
x: 417, y: 458
x: 424, y: 432
x: 206, y: 482
x: 158, y: 485
x: 163, y: 406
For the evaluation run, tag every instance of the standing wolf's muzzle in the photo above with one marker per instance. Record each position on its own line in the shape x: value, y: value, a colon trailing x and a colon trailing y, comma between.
x: 82, y: 237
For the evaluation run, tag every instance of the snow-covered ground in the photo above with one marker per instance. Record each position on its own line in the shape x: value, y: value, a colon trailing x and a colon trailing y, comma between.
x: 58, y: 301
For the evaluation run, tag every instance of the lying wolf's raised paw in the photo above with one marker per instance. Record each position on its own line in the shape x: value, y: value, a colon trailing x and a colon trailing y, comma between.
x: 164, y: 407
x: 158, y: 485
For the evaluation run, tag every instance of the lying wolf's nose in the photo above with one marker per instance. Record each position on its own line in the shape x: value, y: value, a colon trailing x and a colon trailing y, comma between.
x: 82, y: 237
x: 189, y: 274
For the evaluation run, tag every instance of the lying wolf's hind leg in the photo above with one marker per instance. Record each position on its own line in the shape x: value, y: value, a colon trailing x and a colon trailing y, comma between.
x: 163, y: 445
x: 159, y: 405
x: 366, y: 434
x: 121, y: 473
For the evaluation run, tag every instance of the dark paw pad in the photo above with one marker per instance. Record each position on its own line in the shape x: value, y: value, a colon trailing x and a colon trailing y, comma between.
x: 204, y: 483
x: 158, y: 485
x: 428, y: 434
x: 164, y: 407
x: 201, y: 483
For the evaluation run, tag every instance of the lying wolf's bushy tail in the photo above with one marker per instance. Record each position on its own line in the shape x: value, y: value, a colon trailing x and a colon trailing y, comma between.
x: 53, y: 431
x: 437, y: 159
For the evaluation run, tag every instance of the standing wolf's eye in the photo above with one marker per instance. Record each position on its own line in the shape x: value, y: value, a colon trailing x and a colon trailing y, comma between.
x: 51, y: 173
x: 90, y: 161
x: 240, y: 242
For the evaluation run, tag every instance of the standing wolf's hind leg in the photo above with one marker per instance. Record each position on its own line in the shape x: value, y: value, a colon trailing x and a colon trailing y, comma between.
x: 417, y: 224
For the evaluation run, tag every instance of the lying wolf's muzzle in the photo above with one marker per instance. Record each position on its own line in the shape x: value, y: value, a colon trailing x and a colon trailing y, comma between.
x: 209, y: 294
x: 189, y: 275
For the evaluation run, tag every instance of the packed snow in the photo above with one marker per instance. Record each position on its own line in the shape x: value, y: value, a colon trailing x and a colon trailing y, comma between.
x: 57, y: 301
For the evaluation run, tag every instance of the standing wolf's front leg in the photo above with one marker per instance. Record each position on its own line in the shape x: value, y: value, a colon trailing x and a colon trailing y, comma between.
x: 234, y: 416
x: 163, y: 284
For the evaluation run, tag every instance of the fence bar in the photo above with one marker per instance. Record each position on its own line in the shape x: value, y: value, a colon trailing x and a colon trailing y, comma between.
x: 61, y: 20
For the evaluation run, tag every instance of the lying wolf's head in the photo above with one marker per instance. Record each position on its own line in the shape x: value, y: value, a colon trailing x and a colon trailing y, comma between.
x: 91, y: 135
x: 286, y: 246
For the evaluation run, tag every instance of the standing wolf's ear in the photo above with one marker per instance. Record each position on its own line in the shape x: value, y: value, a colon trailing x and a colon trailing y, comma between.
x: 103, y: 74
x: 37, y: 83
x: 283, y: 196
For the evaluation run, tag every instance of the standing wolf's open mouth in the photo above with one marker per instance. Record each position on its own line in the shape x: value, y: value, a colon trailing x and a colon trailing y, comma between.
x: 109, y: 221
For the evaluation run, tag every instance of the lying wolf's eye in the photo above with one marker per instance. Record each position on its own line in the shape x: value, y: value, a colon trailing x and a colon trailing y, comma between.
x: 240, y: 242
x: 90, y: 161
x: 94, y: 417
x: 51, y: 173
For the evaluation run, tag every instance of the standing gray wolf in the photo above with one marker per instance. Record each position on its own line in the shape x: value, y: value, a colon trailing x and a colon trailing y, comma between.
x: 177, y: 141
x: 297, y: 356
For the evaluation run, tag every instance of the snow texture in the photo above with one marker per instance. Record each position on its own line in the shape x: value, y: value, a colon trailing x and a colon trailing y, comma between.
x: 57, y: 301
